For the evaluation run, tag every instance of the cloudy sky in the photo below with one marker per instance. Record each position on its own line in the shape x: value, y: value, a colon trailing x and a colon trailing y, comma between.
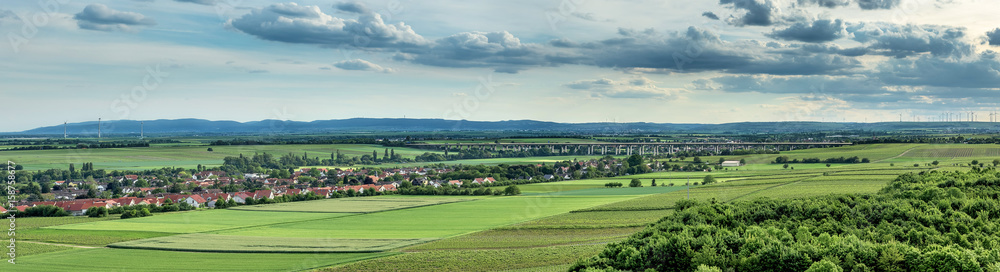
x: 567, y: 61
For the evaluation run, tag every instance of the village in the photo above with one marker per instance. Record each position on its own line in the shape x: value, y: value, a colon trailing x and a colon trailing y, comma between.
x: 206, y: 188
x: 205, y: 192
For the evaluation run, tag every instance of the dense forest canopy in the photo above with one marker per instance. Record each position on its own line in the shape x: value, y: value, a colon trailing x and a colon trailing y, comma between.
x: 929, y: 221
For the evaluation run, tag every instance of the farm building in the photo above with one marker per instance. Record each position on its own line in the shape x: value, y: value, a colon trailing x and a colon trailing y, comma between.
x: 731, y: 164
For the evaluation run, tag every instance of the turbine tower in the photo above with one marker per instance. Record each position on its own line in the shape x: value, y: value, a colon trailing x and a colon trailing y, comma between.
x: 140, y: 130
x: 98, y: 128
x: 64, y: 130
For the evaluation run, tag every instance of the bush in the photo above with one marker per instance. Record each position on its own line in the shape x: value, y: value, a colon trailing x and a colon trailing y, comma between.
x: 41, y: 211
x: 635, y: 183
x: 97, y: 212
x: 511, y: 190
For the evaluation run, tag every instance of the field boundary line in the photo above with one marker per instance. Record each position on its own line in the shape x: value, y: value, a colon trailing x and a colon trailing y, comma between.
x: 57, y: 244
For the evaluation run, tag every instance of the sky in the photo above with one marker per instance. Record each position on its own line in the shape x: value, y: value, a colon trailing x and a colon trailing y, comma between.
x: 565, y: 61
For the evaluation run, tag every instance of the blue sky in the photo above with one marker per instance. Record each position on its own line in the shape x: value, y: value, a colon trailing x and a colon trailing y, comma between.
x: 567, y: 61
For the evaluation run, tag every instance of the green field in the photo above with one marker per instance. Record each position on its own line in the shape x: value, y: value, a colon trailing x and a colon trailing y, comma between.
x: 86, y: 237
x: 201, y: 242
x: 107, y: 259
x: 179, y: 156
x: 28, y: 249
x: 199, y: 221
x: 598, y: 219
x: 475, y: 260
x: 437, y: 221
x: 527, y: 238
x: 354, y: 205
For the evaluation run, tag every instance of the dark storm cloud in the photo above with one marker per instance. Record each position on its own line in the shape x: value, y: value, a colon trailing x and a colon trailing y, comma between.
x: 813, y: 32
x: 978, y: 71
x: 758, y: 12
x: 993, y: 37
x: 909, y: 40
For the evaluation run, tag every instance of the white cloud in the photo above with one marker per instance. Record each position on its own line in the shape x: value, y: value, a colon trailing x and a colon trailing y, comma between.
x: 362, y: 65
x: 100, y: 17
x: 635, y: 88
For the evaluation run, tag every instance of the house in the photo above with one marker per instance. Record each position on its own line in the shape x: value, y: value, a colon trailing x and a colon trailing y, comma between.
x: 263, y: 194
x: 80, y: 208
x: 455, y: 182
x: 195, y: 200
x: 211, y: 199
x: 548, y: 177
x: 731, y: 164
x: 241, y: 197
x: 324, y: 192
x: 2, y: 210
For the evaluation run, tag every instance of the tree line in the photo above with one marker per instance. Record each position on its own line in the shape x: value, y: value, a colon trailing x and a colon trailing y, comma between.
x: 928, y: 221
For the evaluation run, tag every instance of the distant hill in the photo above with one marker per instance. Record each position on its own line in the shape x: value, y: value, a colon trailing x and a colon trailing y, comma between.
x: 200, y: 126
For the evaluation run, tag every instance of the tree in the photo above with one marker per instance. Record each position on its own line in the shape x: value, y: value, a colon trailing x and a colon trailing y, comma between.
x: 975, y: 162
x: 511, y: 190
x: 635, y: 160
x: 210, y: 149
x: 827, y: 165
x: 785, y: 166
x: 935, y: 163
x: 916, y: 165
x: 743, y: 161
x: 706, y: 268
x: 697, y: 160
x: 653, y: 184
x: 635, y: 183
x: 996, y: 162
x: 824, y: 266
x: 709, y: 179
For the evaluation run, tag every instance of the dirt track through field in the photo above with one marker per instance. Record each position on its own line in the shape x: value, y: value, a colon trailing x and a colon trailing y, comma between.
x: 897, y: 156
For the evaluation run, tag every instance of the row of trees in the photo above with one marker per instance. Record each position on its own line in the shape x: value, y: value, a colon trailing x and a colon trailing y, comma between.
x: 930, y: 221
x: 855, y: 159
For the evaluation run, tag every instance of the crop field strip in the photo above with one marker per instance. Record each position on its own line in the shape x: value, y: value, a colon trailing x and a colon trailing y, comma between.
x: 474, y: 260
x: 504, y: 238
x: 354, y: 205
x: 112, y: 259
x: 449, y: 219
x: 666, y: 201
x: 955, y: 150
x: 201, y: 242
x: 201, y: 221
